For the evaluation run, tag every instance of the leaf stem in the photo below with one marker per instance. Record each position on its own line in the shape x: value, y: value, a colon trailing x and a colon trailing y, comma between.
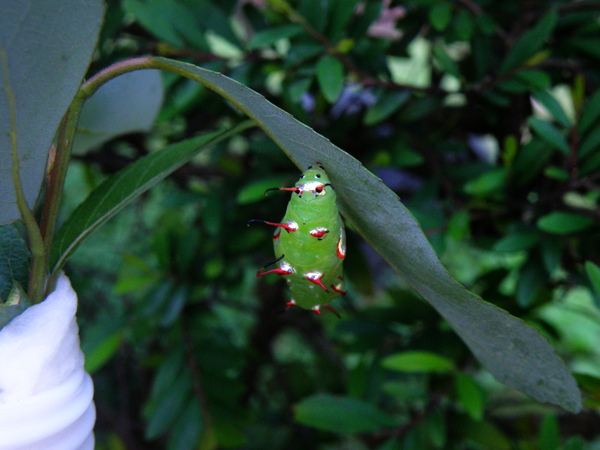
x: 56, y: 177
x: 36, y: 242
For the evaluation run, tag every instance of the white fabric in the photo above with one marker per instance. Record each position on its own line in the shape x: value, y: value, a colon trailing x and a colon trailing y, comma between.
x: 46, y: 398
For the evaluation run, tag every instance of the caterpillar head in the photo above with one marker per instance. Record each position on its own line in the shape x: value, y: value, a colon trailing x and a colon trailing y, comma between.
x: 313, y: 185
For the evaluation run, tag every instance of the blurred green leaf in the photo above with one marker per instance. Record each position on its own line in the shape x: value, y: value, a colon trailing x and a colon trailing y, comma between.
x: 530, y: 42
x: 484, y: 434
x: 590, y: 143
x: 172, y: 21
x: 589, y: 113
x: 554, y: 108
x: 590, y: 165
x: 330, y: 75
x: 14, y: 260
x: 529, y: 161
x: 435, y: 427
x: 344, y: 11
x: 255, y: 190
x: 464, y: 25
x: 120, y: 189
x: 552, y: 255
x: 490, y: 182
x: 168, y: 407
x: 587, y: 44
x: 593, y: 273
x: 459, y: 225
x: 590, y: 384
x: 517, y: 240
x: 532, y: 277
x: 43, y: 80
x: 563, y: 222
x: 177, y: 301
x: 556, y: 173
x: 440, y: 15
x: 550, y: 134
x: 447, y: 63
x: 549, y: 433
x: 188, y: 428
x: 16, y: 302
x: 341, y: 414
x: 511, y: 350
x: 101, y: 342
x: 272, y: 35
x: 534, y: 78
x: 418, y: 361
x: 387, y: 103
x: 470, y: 396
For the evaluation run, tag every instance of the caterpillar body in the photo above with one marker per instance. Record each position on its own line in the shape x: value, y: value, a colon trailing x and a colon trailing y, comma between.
x: 310, y: 243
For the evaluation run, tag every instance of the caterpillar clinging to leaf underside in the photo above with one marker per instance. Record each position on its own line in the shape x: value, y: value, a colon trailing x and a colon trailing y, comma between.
x: 310, y: 243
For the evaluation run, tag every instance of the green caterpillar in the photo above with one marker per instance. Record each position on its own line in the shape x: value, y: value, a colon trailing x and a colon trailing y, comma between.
x: 311, y: 251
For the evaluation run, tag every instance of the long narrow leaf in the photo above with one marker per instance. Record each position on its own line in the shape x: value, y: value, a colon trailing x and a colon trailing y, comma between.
x: 122, y: 188
x: 512, y: 351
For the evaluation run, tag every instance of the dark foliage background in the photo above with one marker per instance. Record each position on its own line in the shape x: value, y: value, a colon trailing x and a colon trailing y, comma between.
x: 483, y: 116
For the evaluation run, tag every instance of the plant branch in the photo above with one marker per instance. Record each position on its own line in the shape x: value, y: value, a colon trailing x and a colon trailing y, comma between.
x: 36, y: 242
x: 56, y: 177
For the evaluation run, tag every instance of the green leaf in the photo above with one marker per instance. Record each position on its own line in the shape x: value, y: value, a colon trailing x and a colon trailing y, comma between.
x: 553, y: 107
x: 490, y: 182
x: 125, y: 104
x: 330, y: 75
x: 552, y: 253
x: 549, y: 433
x: 590, y: 165
x: 589, y: 45
x: 100, y: 343
x: 590, y: 143
x: 387, y: 103
x: 14, y: 260
x: 341, y: 414
x: 187, y: 429
x: 440, y: 15
x: 534, y: 79
x: 168, y: 407
x: 344, y: 11
x: 16, y: 302
x: 530, y: 42
x: 43, y: 81
x: 447, y: 63
x: 562, y: 222
x: 418, y: 361
x: 470, y: 396
x: 122, y: 188
x: 589, y: 113
x: 529, y: 161
x: 464, y: 25
x: 517, y: 240
x: 484, y: 434
x: 169, y: 20
x: 255, y: 191
x: 515, y: 353
x: 593, y: 273
x: 272, y: 35
x: 549, y: 134
x: 532, y: 277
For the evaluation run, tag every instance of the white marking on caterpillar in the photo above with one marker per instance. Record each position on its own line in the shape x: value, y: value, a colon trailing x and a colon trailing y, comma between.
x: 287, y: 267
x: 319, y: 232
